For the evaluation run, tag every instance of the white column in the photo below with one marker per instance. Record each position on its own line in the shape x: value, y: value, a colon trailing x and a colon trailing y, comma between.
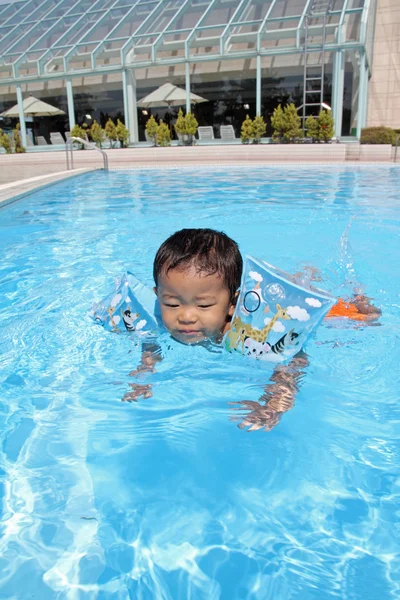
x: 70, y: 100
x: 337, y: 91
x: 130, y: 108
x: 258, y: 86
x: 187, y: 81
x: 362, y: 95
x: 21, y: 115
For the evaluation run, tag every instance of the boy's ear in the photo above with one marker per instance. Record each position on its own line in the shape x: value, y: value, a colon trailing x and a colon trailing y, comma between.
x: 155, y: 290
x: 233, y: 304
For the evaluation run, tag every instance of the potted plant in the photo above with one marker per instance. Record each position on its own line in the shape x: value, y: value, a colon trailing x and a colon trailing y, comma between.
x: 97, y: 133
x: 77, y: 131
x: 152, y: 129
x: 163, y: 134
x: 18, y: 147
x: 5, y: 142
x: 246, y: 132
x: 110, y: 131
x: 259, y: 129
x: 122, y: 134
x: 186, y: 127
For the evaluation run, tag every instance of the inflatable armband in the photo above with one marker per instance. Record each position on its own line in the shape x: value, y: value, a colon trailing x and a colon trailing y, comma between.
x: 274, y: 315
x: 132, y: 307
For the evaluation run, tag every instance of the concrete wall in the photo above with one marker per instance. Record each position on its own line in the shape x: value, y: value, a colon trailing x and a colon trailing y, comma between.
x: 384, y: 86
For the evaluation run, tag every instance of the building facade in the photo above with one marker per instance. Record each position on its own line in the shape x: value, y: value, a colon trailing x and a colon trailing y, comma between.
x: 96, y: 59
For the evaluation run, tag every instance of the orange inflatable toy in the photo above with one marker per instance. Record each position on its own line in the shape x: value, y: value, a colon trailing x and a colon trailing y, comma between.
x: 348, y: 310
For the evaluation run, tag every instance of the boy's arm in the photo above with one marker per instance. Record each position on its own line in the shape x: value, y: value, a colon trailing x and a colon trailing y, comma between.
x: 151, y: 355
x: 278, y: 397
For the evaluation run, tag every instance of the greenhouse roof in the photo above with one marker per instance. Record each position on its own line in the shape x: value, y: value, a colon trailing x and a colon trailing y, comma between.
x: 45, y: 39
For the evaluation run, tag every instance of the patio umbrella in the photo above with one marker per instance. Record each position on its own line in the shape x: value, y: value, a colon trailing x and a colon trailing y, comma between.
x: 33, y: 108
x: 168, y: 95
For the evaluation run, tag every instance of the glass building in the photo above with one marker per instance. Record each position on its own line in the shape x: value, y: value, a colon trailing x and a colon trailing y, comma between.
x: 96, y: 59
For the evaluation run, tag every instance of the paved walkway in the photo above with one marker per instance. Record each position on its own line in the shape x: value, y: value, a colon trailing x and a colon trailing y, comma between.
x: 14, y: 190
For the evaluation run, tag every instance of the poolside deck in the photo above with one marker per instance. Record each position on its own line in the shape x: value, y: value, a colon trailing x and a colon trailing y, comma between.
x: 17, y: 167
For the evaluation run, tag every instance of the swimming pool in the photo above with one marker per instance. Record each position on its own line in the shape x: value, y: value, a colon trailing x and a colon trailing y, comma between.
x: 168, y: 498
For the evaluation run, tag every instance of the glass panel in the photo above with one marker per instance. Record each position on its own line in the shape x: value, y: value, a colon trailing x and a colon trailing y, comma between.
x: 135, y: 19
x: 288, y: 9
x: 350, y: 96
x: 11, y: 40
x: 190, y: 16
x: 9, y: 10
x: 61, y: 8
x: 148, y: 80
x: 51, y: 33
x: 52, y: 92
x: 34, y: 12
x: 351, y: 29
x: 98, y: 98
x: 221, y: 13
x: 282, y: 81
x: 105, y: 24
x: 230, y: 88
x: 253, y: 10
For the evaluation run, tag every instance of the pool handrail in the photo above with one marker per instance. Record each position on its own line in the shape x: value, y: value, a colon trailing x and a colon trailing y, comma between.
x: 69, y: 146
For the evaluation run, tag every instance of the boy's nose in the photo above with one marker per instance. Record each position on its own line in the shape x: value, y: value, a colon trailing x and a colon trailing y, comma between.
x: 187, y: 316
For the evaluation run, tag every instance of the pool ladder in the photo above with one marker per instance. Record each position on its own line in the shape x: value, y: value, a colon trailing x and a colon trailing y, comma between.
x: 70, y: 151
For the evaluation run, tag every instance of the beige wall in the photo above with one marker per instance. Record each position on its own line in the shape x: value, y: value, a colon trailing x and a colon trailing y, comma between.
x: 384, y: 85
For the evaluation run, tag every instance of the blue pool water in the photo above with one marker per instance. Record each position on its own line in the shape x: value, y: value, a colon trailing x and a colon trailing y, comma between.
x: 168, y: 498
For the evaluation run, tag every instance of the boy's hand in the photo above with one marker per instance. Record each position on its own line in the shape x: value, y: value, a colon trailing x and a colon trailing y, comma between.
x: 147, y: 363
x: 137, y: 392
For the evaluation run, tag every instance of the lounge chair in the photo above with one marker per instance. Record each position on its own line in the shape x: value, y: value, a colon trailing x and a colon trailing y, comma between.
x: 41, y: 141
x: 227, y: 133
x: 206, y: 133
x: 56, y: 138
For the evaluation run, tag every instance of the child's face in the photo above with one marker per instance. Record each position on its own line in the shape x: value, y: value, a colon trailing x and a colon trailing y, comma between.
x: 194, y: 306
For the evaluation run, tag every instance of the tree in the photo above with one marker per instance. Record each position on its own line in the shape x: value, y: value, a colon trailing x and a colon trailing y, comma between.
x: 5, y: 142
x: 277, y: 122
x: 122, y: 133
x: 326, y: 126
x: 292, y: 123
x: 152, y: 129
x: 110, y: 131
x: 259, y: 129
x: 312, y: 129
x: 97, y: 133
x: 246, y: 132
x: 163, y: 134
x: 186, y: 127
x: 18, y: 147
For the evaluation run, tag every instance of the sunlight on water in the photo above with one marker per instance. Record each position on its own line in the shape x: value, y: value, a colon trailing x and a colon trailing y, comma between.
x: 175, y: 496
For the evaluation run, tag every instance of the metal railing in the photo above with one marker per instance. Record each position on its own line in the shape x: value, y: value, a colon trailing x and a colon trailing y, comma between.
x: 69, y: 149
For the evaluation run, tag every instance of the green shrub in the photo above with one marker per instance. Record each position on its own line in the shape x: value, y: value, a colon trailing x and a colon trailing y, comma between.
x: 122, y: 133
x: 378, y: 135
x: 110, y: 131
x: 186, y: 124
x: 259, y: 129
x: 152, y: 129
x: 320, y: 129
x: 278, y: 123
x: 97, y: 133
x: 246, y: 132
x: 5, y: 142
x: 252, y: 130
x: 18, y: 147
x: 286, y: 124
x: 163, y: 134
x: 292, y: 123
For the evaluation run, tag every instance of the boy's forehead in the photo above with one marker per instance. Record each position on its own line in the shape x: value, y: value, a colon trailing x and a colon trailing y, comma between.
x: 191, y: 279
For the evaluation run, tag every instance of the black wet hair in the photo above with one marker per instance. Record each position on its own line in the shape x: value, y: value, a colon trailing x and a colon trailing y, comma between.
x: 207, y: 250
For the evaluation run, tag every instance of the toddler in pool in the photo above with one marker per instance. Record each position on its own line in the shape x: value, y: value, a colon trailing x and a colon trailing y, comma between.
x: 197, y: 275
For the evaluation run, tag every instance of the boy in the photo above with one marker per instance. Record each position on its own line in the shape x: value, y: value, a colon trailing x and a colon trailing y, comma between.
x: 197, y: 275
